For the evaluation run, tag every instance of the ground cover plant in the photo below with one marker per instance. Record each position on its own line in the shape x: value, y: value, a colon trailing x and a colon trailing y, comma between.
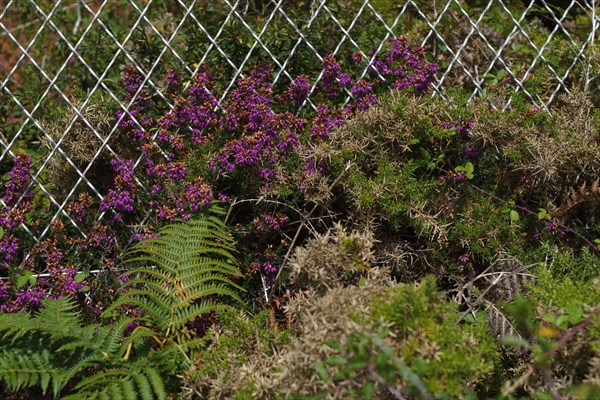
x: 383, y: 244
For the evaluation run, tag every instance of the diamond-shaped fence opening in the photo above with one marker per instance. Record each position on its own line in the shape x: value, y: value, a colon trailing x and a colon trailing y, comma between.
x: 61, y: 65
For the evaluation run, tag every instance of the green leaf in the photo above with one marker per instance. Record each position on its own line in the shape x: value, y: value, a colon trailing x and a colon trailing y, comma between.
x: 469, y: 318
x: 425, y: 154
x: 322, y: 372
x: 79, y: 277
x: 469, y: 168
x: 515, y: 341
x: 368, y: 390
x: 362, y: 281
x: 514, y: 216
x: 21, y: 280
x: 336, y: 361
x: 1, y: 232
x: 575, y: 312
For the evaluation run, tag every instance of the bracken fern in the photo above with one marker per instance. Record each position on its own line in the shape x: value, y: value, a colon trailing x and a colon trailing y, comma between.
x: 182, y: 271
x: 178, y: 277
x: 51, y: 348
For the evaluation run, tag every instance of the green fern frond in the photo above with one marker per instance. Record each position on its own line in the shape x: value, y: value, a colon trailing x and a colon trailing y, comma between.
x: 57, y: 318
x: 22, y: 369
x: 186, y: 271
x: 185, y: 265
x: 33, y: 352
x: 139, y: 381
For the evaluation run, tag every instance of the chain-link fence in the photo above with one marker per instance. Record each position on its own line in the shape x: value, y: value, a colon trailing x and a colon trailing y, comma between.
x: 61, y: 61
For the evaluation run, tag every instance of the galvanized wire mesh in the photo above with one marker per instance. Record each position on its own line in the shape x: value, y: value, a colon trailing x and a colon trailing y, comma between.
x: 71, y: 52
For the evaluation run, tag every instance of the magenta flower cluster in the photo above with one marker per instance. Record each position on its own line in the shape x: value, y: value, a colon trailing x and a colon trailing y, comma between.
x: 18, y: 204
x: 263, y: 136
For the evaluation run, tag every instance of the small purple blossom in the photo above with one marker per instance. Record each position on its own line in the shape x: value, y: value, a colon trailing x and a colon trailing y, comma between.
x: 299, y: 90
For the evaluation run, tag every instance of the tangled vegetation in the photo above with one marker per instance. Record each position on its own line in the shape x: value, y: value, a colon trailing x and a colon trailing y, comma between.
x: 340, y: 235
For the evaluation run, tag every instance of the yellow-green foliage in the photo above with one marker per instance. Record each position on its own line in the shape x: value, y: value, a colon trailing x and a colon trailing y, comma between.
x: 449, y: 358
x: 428, y: 352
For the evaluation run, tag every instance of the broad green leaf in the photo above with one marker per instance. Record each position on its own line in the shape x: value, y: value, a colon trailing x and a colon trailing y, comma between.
x: 79, y: 277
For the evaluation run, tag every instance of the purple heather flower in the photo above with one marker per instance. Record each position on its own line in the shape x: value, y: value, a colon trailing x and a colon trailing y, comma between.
x: 9, y: 247
x: 30, y: 297
x: 331, y: 74
x: 18, y: 180
x: 299, y: 90
x: 177, y: 170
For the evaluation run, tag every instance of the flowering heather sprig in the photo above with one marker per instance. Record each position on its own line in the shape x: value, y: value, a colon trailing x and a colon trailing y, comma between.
x: 165, y: 212
x: 80, y: 210
x: 331, y: 75
x: 299, y: 89
x: 4, y: 291
x: 15, y: 212
x: 201, y: 325
x: 266, y: 136
x: 270, y: 271
x: 248, y: 106
x: 311, y: 167
x: 63, y: 281
x: 28, y: 298
x: 472, y: 152
x: 101, y: 236
x: 462, y: 127
x: 173, y: 82
x: 136, y: 237
x: 272, y: 221
x: 363, y: 95
x: 453, y: 177
x: 9, y: 247
x: 177, y: 170
x: 405, y: 67
x: 123, y: 196
x: 132, y: 81
x: 325, y: 120
x: 18, y: 180
x: 197, y: 193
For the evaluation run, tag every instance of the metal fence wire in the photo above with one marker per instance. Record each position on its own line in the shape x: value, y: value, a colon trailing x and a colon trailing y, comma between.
x: 72, y: 53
